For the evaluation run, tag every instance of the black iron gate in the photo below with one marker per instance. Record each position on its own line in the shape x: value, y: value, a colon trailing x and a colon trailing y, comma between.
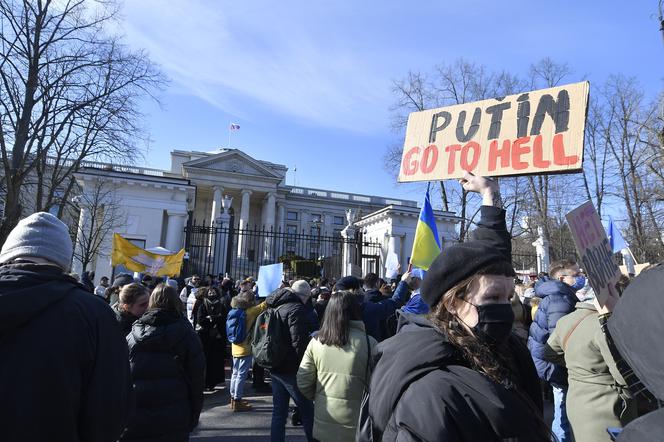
x: 240, y: 252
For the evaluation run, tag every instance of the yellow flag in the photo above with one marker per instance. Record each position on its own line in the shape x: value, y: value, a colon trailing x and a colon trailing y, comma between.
x: 139, y: 260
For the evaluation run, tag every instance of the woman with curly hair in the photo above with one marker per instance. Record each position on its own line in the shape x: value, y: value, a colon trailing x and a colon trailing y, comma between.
x: 458, y: 373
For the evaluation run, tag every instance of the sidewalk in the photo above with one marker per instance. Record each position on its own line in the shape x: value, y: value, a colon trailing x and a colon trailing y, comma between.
x: 219, y: 423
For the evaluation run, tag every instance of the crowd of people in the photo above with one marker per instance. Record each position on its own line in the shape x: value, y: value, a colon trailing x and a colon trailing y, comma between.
x: 463, y: 352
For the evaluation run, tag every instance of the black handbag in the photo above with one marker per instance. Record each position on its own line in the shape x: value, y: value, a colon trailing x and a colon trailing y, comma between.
x: 365, y: 431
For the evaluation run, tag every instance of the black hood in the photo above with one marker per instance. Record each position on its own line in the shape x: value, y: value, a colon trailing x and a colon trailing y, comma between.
x: 160, y: 329
x: 428, y: 349
x: 26, y: 290
x: 282, y: 296
x: 637, y: 327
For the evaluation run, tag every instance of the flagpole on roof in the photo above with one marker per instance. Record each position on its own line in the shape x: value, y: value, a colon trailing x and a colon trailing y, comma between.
x: 229, y: 134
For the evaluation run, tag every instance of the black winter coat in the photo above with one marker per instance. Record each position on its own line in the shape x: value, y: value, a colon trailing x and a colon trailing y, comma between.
x: 168, y: 368
x: 125, y: 319
x: 64, y: 367
x: 295, y: 316
x: 211, y: 316
x: 421, y: 389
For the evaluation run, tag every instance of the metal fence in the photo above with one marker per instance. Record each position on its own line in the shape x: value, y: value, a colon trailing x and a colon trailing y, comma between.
x: 240, y: 252
x: 524, y: 261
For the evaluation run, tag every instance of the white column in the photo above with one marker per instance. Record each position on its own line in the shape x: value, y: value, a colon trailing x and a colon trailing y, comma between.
x: 216, y: 203
x: 270, y: 209
x: 244, y: 222
x: 82, y: 242
x: 542, y: 249
x: 348, y: 234
x: 175, y: 230
x: 220, y: 249
x: 281, y: 216
x: 628, y: 262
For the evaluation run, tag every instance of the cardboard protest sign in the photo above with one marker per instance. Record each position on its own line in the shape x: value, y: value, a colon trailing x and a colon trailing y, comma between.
x: 530, y: 133
x: 594, y: 249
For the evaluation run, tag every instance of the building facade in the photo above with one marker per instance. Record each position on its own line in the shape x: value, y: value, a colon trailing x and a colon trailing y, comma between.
x: 229, y: 187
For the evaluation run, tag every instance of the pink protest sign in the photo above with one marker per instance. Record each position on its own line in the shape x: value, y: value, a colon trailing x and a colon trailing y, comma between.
x: 596, y: 256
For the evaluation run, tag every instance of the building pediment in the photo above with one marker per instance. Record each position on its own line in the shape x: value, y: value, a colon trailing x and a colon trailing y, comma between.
x: 232, y: 161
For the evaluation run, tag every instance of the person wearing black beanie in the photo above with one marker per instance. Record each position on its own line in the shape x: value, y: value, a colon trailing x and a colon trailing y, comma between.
x: 459, y: 373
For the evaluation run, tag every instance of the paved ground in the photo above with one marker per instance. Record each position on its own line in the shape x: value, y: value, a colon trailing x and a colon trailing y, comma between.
x: 219, y: 423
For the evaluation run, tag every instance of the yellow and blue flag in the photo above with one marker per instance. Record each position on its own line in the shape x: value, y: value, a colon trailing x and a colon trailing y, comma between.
x: 426, y: 246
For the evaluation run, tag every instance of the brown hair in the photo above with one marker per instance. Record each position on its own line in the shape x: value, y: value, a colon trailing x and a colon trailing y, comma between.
x: 130, y: 293
x: 560, y: 266
x: 165, y: 297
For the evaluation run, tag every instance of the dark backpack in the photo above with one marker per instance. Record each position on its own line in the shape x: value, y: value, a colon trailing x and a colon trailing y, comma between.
x: 271, y: 339
x: 236, y: 326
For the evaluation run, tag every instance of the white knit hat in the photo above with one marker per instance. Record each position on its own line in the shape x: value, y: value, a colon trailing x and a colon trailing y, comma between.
x: 301, y: 287
x: 40, y: 235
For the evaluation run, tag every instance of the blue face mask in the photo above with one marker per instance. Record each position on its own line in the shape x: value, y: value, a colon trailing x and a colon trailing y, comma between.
x: 579, y: 282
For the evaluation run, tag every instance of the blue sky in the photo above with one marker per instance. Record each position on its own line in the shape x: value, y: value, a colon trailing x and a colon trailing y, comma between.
x: 310, y: 82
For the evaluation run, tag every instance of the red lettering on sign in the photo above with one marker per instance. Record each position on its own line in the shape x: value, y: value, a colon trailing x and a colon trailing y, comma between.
x: 503, y: 153
x: 519, y: 149
x: 465, y: 163
x: 408, y: 166
x: 429, y: 159
x: 538, y: 156
x: 452, y: 149
x: 559, y: 157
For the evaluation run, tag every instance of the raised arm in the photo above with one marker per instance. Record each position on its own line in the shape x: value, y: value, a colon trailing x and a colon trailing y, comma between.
x: 491, y: 228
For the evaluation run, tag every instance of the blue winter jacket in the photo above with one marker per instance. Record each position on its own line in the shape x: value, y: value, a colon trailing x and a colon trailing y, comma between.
x: 558, y: 300
x: 375, y: 312
x: 416, y: 305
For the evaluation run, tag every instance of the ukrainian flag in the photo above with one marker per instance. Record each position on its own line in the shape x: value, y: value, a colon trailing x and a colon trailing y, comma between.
x: 426, y: 246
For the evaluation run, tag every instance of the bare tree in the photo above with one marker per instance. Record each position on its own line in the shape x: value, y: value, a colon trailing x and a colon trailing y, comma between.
x: 627, y: 126
x: 69, y: 93
x: 99, y: 214
x: 597, y: 170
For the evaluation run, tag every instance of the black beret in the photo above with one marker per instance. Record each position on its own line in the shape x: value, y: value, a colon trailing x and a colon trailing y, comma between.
x: 348, y: 283
x: 490, y: 247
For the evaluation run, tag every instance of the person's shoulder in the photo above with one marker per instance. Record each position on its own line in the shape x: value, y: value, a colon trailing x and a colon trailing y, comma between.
x: 79, y: 296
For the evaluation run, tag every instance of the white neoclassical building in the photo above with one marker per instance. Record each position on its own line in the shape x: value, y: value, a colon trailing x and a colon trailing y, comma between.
x: 160, y: 206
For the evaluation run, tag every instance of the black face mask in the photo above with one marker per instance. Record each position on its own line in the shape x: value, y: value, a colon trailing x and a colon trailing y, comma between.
x: 494, y: 323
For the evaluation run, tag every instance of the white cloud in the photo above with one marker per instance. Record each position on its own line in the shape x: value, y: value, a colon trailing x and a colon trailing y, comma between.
x: 295, y: 59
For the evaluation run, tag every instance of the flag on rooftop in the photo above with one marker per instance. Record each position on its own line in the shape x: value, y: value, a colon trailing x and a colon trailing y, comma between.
x: 235, y: 126
x: 426, y: 246
x: 616, y: 239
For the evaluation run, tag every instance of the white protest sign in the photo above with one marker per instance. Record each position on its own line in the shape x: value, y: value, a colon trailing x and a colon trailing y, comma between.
x: 534, y: 132
x: 596, y: 255
x: 269, y: 278
x: 391, y: 265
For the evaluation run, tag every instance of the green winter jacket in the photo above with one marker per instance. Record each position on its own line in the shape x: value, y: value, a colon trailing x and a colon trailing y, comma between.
x: 335, y: 378
x: 597, y: 397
